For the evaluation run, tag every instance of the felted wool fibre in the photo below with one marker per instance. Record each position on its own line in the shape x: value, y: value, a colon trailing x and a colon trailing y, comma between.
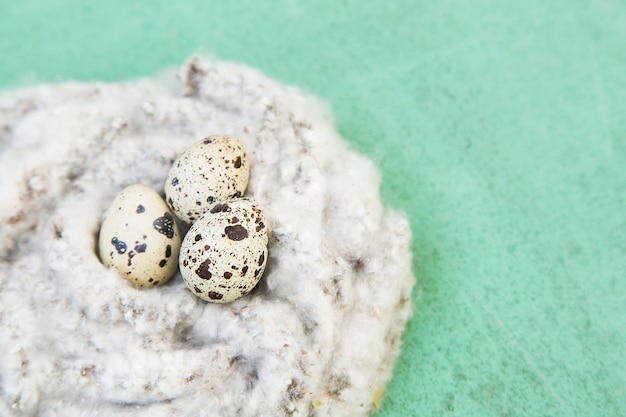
x: 317, y: 337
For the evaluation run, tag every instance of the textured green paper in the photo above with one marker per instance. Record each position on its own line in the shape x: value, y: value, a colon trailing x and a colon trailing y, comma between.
x: 500, y: 128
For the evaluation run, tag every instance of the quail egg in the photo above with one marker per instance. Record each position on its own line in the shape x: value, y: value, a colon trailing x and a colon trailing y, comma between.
x: 139, y: 237
x: 212, y: 170
x: 224, y: 254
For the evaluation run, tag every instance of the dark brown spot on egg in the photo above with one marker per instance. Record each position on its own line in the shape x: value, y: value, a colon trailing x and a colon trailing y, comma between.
x: 120, y: 246
x: 168, y: 251
x: 174, y: 181
x: 237, y: 232
x: 203, y: 270
x: 141, y: 248
x: 261, y: 259
x: 219, y: 208
x: 163, y: 263
x: 215, y: 295
x: 151, y: 279
x: 198, y: 203
x: 237, y: 162
x: 196, y: 289
x: 207, y: 141
x: 227, y: 275
x: 185, y: 263
x: 140, y: 209
x: 260, y: 226
x: 131, y: 254
x: 164, y: 225
x: 244, y: 270
x: 197, y: 237
x: 207, y: 247
x: 234, y: 220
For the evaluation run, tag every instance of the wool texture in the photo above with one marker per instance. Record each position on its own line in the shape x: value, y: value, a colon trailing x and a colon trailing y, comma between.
x: 319, y: 335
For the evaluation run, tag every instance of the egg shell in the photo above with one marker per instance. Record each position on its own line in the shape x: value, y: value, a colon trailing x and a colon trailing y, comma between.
x: 139, y: 237
x: 224, y: 254
x: 212, y: 170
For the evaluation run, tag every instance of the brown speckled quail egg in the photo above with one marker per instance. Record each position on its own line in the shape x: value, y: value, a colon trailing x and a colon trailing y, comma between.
x: 225, y: 251
x: 139, y: 237
x: 212, y: 170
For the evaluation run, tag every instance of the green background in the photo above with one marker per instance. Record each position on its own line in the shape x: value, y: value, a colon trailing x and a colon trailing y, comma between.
x: 500, y: 128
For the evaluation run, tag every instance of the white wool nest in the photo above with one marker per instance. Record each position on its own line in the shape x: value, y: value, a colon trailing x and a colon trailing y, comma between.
x: 318, y: 337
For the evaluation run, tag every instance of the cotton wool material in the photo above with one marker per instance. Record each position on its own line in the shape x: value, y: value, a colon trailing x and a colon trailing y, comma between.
x: 319, y: 335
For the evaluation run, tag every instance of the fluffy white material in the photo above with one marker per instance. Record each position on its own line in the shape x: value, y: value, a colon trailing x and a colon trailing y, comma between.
x: 320, y: 334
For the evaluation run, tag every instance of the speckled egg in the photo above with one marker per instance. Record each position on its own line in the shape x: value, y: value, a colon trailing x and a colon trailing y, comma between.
x: 139, y: 237
x: 224, y: 253
x: 212, y: 170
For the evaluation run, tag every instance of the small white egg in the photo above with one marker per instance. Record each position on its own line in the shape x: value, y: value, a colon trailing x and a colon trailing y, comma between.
x: 212, y: 170
x: 139, y: 237
x: 224, y: 254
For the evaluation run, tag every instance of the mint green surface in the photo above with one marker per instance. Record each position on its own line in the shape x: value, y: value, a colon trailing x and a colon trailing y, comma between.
x: 500, y: 128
